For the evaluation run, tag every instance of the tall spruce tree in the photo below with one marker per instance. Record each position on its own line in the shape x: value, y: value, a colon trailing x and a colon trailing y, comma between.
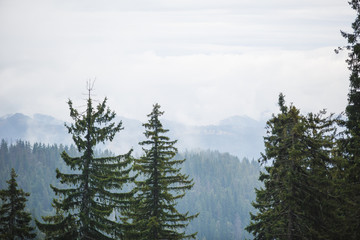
x: 296, y: 201
x: 155, y: 215
x: 92, y: 191
x: 349, y: 170
x: 320, y: 200
x: 14, y: 220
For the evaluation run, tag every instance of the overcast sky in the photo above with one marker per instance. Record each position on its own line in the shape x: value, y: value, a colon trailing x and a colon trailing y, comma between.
x: 202, y: 60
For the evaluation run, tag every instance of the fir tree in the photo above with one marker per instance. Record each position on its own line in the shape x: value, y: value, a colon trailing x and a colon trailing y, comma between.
x: 296, y: 201
x: 92, y: 194
x: 14, y: 220
x: 155, y: 215
x: 349, y: 169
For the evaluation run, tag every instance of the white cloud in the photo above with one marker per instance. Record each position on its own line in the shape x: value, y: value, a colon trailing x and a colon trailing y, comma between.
x: 203, y: 60
x: 208, y: 87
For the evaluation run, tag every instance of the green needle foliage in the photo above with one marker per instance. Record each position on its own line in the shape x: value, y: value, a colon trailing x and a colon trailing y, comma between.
x: 86, y: 206
x: 14, y: 221
x: 154, y: 214
x: 349, y: 169
x: 297, y: 201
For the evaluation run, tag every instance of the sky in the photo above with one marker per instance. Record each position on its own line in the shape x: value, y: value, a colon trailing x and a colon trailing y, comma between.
x: 202, y: 61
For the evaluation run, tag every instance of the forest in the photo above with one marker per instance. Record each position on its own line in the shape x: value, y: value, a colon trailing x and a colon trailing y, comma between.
x: 306, y: 185
x: 223, y: 200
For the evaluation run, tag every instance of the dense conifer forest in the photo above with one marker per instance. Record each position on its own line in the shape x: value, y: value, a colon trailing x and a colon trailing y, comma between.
x: 222, y: 193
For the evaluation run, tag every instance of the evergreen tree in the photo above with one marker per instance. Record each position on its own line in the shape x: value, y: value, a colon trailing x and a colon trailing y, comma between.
x: 296, y: 201
x: 14, y: 220
x: 349, y: 169
x: 4, y: 151
x: 320, y: 201
x: 92, y: 191
x: 155, y: 215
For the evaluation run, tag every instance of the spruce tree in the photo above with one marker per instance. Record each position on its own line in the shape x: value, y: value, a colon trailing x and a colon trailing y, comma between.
x: 296, y: 201
x: 320, y: 200
x: 350, y: 143
x: 14, y: 220
x: 92, y: 192
x: 161, y: 184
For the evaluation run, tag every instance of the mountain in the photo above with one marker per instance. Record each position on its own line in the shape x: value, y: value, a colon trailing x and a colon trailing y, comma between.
x: 14, y: 126
x: 39, y: 128
x: 239, y: 135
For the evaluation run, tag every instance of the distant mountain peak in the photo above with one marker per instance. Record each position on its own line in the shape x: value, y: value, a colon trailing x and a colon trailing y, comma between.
x: 15, y: 116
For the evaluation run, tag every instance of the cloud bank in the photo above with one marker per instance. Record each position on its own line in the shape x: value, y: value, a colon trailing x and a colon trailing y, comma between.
x: 202, y: 61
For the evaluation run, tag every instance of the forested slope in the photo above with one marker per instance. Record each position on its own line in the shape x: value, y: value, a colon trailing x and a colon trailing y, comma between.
x: 35, y: 166
x: 223, y: 191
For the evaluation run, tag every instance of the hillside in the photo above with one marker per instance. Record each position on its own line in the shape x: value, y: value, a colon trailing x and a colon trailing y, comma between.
x: 239, y: 135
x: 223, y: 191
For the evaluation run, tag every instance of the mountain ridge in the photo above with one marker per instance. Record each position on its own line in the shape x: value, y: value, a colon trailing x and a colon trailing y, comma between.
x: 241, y: 136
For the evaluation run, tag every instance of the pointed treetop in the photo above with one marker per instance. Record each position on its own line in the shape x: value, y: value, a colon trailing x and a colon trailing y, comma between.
x: 281, y: 103
x: 156, y: 111
x: 13, y: 174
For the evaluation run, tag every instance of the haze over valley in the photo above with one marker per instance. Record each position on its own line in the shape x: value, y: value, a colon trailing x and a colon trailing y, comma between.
x: 239, y: 135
